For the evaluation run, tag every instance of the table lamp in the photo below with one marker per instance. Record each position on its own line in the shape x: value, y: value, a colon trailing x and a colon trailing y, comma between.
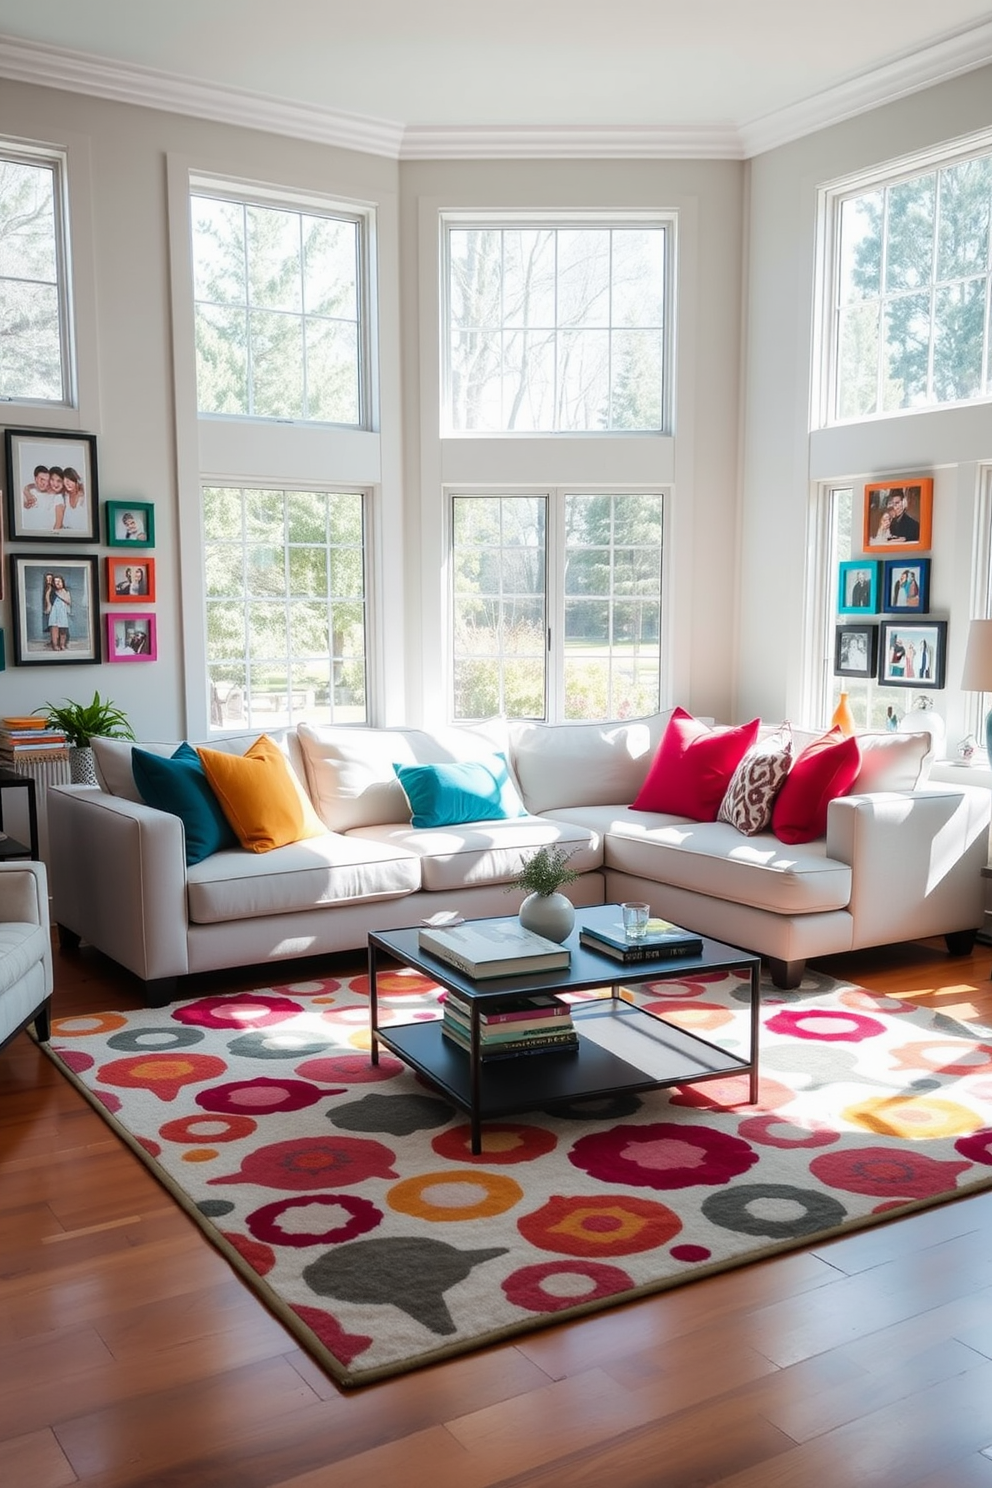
x: 977, y: 675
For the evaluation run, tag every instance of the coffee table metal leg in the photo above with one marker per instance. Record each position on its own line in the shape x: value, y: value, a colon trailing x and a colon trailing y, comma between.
x: 475, y: 1088
x: 755, y: 1026
x: 373, y: 1006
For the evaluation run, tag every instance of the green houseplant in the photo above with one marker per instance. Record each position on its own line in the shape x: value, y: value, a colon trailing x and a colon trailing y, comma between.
x: 82, y: 722
x: 546, y: 910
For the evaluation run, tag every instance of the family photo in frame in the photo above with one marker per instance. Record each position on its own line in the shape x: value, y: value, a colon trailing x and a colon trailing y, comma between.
x: 55, y: 607
x: 51, y: 486
x: 855, y: 650
x: 131, y: 637
x: 128, y: 580
x: 130, y: 524
x: 857, y: 587
x: 906, y: 586
x: 899, y: 513
x: 912, y: 655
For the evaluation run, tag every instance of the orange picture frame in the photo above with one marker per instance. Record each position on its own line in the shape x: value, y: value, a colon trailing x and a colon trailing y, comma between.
x: 898, y: 515
x: 129, y: 579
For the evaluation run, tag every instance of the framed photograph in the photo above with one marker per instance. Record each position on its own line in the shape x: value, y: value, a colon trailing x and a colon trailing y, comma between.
x: 51, y: 486
x: 131, y: 637
x: 858, y: 591
x: 128, y: 581
x: 899, y: 514
x: 912, y: 654
x: 906, y: 586
x: 855, y: 650
x: 54, y: 609
x: 130, y: 524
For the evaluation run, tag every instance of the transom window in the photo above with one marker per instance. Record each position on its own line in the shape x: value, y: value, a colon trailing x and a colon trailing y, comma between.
x: 556, y: 605
x: 556, y: 328
x: 278, y: 299
x: 911, y: 291
x: 286, y: 606
x: 34, y: 339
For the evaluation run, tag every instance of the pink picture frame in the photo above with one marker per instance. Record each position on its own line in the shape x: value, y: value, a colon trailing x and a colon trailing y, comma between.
x: 132, y: 637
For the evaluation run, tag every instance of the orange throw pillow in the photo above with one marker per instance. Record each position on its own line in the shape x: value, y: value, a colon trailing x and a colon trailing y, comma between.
x: 260, y: 797
x: 827, y: 768
x: 690, y: 772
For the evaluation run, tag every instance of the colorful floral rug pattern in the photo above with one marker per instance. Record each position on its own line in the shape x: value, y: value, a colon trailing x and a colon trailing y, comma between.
x: 349, y: 1197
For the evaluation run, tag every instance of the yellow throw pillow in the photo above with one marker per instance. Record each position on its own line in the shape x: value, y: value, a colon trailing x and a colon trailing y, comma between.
x: 260, y: 797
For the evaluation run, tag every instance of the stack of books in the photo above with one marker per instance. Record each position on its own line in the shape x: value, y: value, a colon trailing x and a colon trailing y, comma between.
x: 493, y: 948
x: 530, y: 1024
x: 29, y: 738
x: 603, y: 931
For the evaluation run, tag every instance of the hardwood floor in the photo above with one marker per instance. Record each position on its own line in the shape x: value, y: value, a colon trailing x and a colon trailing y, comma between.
x: 130, y: 1354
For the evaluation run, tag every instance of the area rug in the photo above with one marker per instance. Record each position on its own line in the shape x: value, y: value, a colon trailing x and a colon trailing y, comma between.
x: 349, y: 1198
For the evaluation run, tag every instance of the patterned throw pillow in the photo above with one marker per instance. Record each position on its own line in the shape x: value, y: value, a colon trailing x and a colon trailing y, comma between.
x: 756, y: 782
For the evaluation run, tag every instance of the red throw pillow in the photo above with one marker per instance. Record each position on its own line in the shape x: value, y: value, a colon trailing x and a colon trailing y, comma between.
x: 827, y: 768
x: 690, y: 773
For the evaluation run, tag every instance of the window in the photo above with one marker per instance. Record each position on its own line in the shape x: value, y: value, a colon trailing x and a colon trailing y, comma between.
x: 910, y: 302
x: 34, y: 318
x: 557, y: 328
x: 286, y: 606
x: 572, y: 636
x: 278, y: 304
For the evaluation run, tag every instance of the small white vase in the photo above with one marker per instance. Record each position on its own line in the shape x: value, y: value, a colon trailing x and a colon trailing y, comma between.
x: 82, y: 766
x: 550, y: 915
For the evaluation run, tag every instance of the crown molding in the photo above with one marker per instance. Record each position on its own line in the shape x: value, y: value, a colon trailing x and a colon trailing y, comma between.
x: 101, y: 77
x: 146, y: 87
x: 955, y: 55
x: 571, y: 142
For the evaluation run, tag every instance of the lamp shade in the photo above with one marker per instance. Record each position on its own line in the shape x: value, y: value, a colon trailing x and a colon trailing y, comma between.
x: 977, y: 675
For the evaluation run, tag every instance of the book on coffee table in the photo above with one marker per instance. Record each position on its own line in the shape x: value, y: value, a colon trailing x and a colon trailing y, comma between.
x: 493, y: 948
x: 662, y: 939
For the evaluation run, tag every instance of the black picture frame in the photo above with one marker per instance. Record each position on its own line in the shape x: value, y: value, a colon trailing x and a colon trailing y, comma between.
x: 34, y: 641
x: 37, y: 512
x: 855, y: 650
x: 912, y: 654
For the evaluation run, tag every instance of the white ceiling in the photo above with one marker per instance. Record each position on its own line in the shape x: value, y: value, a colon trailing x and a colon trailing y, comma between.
x: 435, y: 77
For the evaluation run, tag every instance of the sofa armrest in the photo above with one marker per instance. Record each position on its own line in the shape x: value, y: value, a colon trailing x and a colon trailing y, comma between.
x: 118, y: 871
x: 23, y: 893
x: 916, y: 859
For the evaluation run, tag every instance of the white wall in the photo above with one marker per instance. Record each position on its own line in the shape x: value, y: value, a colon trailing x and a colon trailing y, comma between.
x: 781, y: 460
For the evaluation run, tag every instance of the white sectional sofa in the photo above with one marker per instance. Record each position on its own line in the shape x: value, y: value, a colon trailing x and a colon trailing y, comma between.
x: 900, y: 860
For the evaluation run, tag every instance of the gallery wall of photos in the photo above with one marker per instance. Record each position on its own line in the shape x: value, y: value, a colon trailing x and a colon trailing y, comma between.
x: 891, y: 637
x: 68, y: 604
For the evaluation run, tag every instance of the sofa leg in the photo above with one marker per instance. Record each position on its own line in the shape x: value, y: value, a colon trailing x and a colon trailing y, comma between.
x: 43, y: 1021
x: 68, y: 939
x: 960, y: 942
x: 786, y: 974
x: 159, y: 992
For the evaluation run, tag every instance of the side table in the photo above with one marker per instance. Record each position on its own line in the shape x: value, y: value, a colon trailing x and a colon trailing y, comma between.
x: 10, y: 847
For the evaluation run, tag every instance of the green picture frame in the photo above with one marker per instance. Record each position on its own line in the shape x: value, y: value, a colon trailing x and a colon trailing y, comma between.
x: 130, y: 524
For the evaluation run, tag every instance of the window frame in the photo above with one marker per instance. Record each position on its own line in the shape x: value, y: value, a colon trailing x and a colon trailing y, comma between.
x: 26, y: 152
x: 555, y: 221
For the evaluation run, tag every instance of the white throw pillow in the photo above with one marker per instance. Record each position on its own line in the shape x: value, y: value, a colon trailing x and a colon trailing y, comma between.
x: 891, y: 762
x: 584, y: 764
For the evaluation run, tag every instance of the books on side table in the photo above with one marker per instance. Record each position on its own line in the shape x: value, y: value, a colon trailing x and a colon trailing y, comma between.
x: 531, y: 1024
x: 603, y: 931
x: 493, y: 948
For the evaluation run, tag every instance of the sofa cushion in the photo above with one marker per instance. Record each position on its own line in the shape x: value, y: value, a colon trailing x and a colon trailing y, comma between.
x: 693, y: 766
x: 326, y: 870
x: 260, y: 796
x: 483, y: 852
x: 891, y: 762
x: 756, y: 782
x: 22, y: 946
x: 180, y: 786
x: 713, y: 858
x: 827, y: 768
x: 350, y: 772
x: 112, y: 757
x: 583, y: 764
x: 459, y: 791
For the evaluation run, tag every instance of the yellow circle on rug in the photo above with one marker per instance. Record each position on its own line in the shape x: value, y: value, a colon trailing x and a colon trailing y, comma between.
x: 919, y: 1116
x: 455, y: 1195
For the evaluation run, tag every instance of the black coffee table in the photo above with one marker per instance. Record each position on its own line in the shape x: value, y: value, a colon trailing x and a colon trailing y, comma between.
x: 621, y: 1047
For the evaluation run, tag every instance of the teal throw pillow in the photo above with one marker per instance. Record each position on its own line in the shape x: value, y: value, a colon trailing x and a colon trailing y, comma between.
x: 460, y: 791
x: 179, y: 786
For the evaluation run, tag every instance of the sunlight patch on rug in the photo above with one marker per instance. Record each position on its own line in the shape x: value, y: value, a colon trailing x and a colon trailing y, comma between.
x: 349, y: 1197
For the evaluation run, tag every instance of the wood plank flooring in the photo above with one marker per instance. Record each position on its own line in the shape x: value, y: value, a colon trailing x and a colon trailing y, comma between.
x: 132, y: 1357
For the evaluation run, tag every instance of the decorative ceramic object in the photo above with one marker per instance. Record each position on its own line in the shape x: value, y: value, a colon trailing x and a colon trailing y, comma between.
x: 843, y: 717
x: 82, y: 765
x: 550, y: 915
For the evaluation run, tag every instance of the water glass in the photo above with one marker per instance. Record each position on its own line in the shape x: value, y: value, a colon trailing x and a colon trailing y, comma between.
x: 635, y: 920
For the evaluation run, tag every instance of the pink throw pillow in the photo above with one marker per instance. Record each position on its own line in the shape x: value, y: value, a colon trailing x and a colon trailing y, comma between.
x: 692, y: 768
x: 827, y: 768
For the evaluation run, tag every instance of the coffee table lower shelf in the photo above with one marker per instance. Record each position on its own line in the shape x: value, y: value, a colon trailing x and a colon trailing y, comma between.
x: 620, y: 1049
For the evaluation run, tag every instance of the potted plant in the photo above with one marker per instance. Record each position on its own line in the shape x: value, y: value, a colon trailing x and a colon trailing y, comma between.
x: 81, y: 722
x: 546, y: 910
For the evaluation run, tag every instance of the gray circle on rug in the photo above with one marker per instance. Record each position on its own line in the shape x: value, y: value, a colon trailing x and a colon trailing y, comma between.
x: 731, y: 1210
x: 155, y: 1040
x: 399, y: 1115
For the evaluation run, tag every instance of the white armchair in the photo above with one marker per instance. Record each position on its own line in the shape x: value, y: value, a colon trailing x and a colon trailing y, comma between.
x: 26, y: 977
